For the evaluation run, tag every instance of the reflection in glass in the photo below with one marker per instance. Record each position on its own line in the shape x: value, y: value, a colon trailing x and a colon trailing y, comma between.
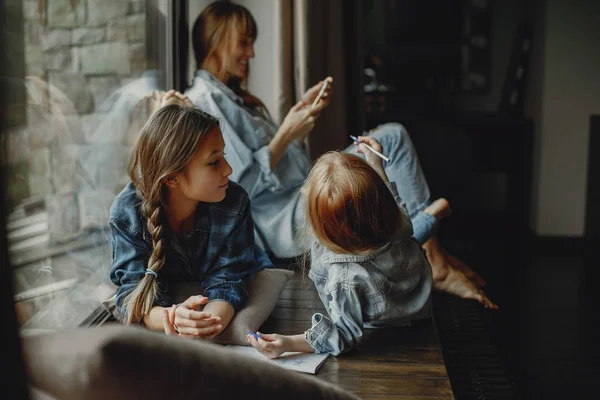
x: 88, y: 67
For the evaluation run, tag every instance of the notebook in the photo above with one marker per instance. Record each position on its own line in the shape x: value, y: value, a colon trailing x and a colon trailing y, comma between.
x: 308, y: 363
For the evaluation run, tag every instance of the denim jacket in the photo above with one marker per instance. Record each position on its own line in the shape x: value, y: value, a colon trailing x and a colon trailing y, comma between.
x: 389, y: 286
x: 275, y: 194
x: 220, y: 252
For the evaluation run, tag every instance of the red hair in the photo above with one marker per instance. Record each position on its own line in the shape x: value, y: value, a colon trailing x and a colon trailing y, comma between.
x: 348, y: 205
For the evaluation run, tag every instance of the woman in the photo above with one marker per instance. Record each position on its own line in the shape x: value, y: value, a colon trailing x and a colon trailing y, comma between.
x: 269, y: 160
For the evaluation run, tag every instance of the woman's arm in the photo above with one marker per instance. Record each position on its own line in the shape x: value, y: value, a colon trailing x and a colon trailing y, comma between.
x: 298, y: 123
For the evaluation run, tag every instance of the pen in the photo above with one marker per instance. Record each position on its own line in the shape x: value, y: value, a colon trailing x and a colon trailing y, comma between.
x: 256, y: 335
x: 370, y: 148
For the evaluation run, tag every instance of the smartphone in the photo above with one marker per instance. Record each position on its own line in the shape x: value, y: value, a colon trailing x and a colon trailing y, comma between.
x: 321, y: 93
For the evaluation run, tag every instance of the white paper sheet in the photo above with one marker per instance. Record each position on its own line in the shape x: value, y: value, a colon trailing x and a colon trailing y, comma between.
x: 308, y: 363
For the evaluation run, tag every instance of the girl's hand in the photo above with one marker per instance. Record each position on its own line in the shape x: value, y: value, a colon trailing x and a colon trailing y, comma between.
x: 160, y: 99
x: 188, y: 322
x: 271, y: 345
x: 168, y: 320
x: 300, y: 120
x: 175, y: 97
x: 373, y: 159
x: 309, y: 96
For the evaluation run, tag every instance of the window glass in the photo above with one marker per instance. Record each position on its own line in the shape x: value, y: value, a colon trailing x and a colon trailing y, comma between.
x: 88, y: 65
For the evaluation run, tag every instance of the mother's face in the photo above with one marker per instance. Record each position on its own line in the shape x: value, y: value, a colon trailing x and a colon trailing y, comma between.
x: 236, y: 58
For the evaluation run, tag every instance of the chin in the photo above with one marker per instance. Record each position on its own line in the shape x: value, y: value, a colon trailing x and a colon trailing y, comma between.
x: 242, y: 75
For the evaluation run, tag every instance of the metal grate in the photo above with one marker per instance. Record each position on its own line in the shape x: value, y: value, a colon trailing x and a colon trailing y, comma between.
x: 475, y: 367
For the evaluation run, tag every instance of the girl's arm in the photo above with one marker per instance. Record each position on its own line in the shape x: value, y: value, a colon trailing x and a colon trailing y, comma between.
x: 334, y: 334
x: 222, y: 310
x: 237, y: 259
x: 273, y: 345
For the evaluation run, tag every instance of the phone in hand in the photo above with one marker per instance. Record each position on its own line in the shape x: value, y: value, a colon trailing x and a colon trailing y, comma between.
x: 321, y: 93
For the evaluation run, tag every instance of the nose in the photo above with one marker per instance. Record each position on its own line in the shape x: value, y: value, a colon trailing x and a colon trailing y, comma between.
x: 227, y: 170
x: 251, y: 51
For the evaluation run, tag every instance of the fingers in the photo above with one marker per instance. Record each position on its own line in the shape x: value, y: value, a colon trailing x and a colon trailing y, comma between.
x: 483, y: 300
x: 297, y: 106
x: 268, y: 346
x: 184, y: 99
x: 268, y: 336
x: 358, y: 148
x: 193, y: 302
x: 199, y: 333
x: 319, y: 107
x: 254, y: 343
x: 167, y: 325
x: 186, y: 313
x: 487, y: 303
x: 371, y: 141
x: 263, y: 347
x: 192, y: 323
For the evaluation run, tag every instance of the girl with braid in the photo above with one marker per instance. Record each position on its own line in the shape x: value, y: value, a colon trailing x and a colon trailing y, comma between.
x: 182, y: 220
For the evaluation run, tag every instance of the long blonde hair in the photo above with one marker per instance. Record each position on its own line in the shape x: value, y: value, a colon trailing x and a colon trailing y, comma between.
x: 166, y: 144
x: 215, y: 28
x: 348, y: 205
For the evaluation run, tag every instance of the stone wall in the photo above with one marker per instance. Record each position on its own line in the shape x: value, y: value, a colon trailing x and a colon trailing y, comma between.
x: 77, y: 53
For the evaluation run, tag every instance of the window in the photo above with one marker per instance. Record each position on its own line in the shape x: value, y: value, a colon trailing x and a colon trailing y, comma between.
x: 87, y: 66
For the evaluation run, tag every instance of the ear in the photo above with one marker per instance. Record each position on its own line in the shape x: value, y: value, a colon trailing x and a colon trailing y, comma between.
x: 171, y: 180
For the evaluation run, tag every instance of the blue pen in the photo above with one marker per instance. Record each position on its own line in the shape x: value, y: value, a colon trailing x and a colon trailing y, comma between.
x: 370, y: 148
x: 256, y: 335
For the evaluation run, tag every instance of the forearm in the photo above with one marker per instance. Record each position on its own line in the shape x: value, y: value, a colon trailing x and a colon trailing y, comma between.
x: 297, y: 343
x: 154, y: 320
x: 278, y: 145
x: 222, y: 309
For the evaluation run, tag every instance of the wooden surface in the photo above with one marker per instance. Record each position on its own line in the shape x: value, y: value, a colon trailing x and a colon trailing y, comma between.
x: 390, y: 363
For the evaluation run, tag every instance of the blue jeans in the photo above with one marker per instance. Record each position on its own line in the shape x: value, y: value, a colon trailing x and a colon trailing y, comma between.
x: 404, y: 169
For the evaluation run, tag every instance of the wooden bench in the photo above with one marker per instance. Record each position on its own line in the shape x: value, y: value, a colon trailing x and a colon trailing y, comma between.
x: 393, y: 363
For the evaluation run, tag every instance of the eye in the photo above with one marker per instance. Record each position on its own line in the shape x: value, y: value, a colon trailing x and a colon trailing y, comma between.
x: 214, y: 162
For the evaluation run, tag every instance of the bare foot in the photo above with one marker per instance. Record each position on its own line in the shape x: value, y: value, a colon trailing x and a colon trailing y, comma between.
x: 440, y: 208
x: 462, y: 267
x: 457, y: 283
x: 451, y: 279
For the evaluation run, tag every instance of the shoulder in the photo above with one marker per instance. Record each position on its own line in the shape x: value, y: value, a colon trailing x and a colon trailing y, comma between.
x: 335, y: 270
x: 207, y: 92
x: 125, y: 211
x: 236, y: 200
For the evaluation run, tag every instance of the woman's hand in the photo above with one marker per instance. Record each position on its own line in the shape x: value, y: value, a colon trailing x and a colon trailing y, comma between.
x: 185, y: 321
x: 300, y: 120
x: 271, y: 345
x: 309, y: 96
x: 373, y: 159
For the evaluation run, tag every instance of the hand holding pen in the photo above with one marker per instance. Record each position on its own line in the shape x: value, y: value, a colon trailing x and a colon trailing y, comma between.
x: 270, y: 345
x: 372, y: 149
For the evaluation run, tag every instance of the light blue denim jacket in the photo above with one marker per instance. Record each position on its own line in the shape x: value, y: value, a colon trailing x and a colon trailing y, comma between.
x: 389, y: 286
x: 274, y: 194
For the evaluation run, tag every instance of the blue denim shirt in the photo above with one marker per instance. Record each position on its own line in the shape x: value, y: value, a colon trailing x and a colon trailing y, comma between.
x: 275, y: 194
x: 220, y: 252
x: 389, y: 286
